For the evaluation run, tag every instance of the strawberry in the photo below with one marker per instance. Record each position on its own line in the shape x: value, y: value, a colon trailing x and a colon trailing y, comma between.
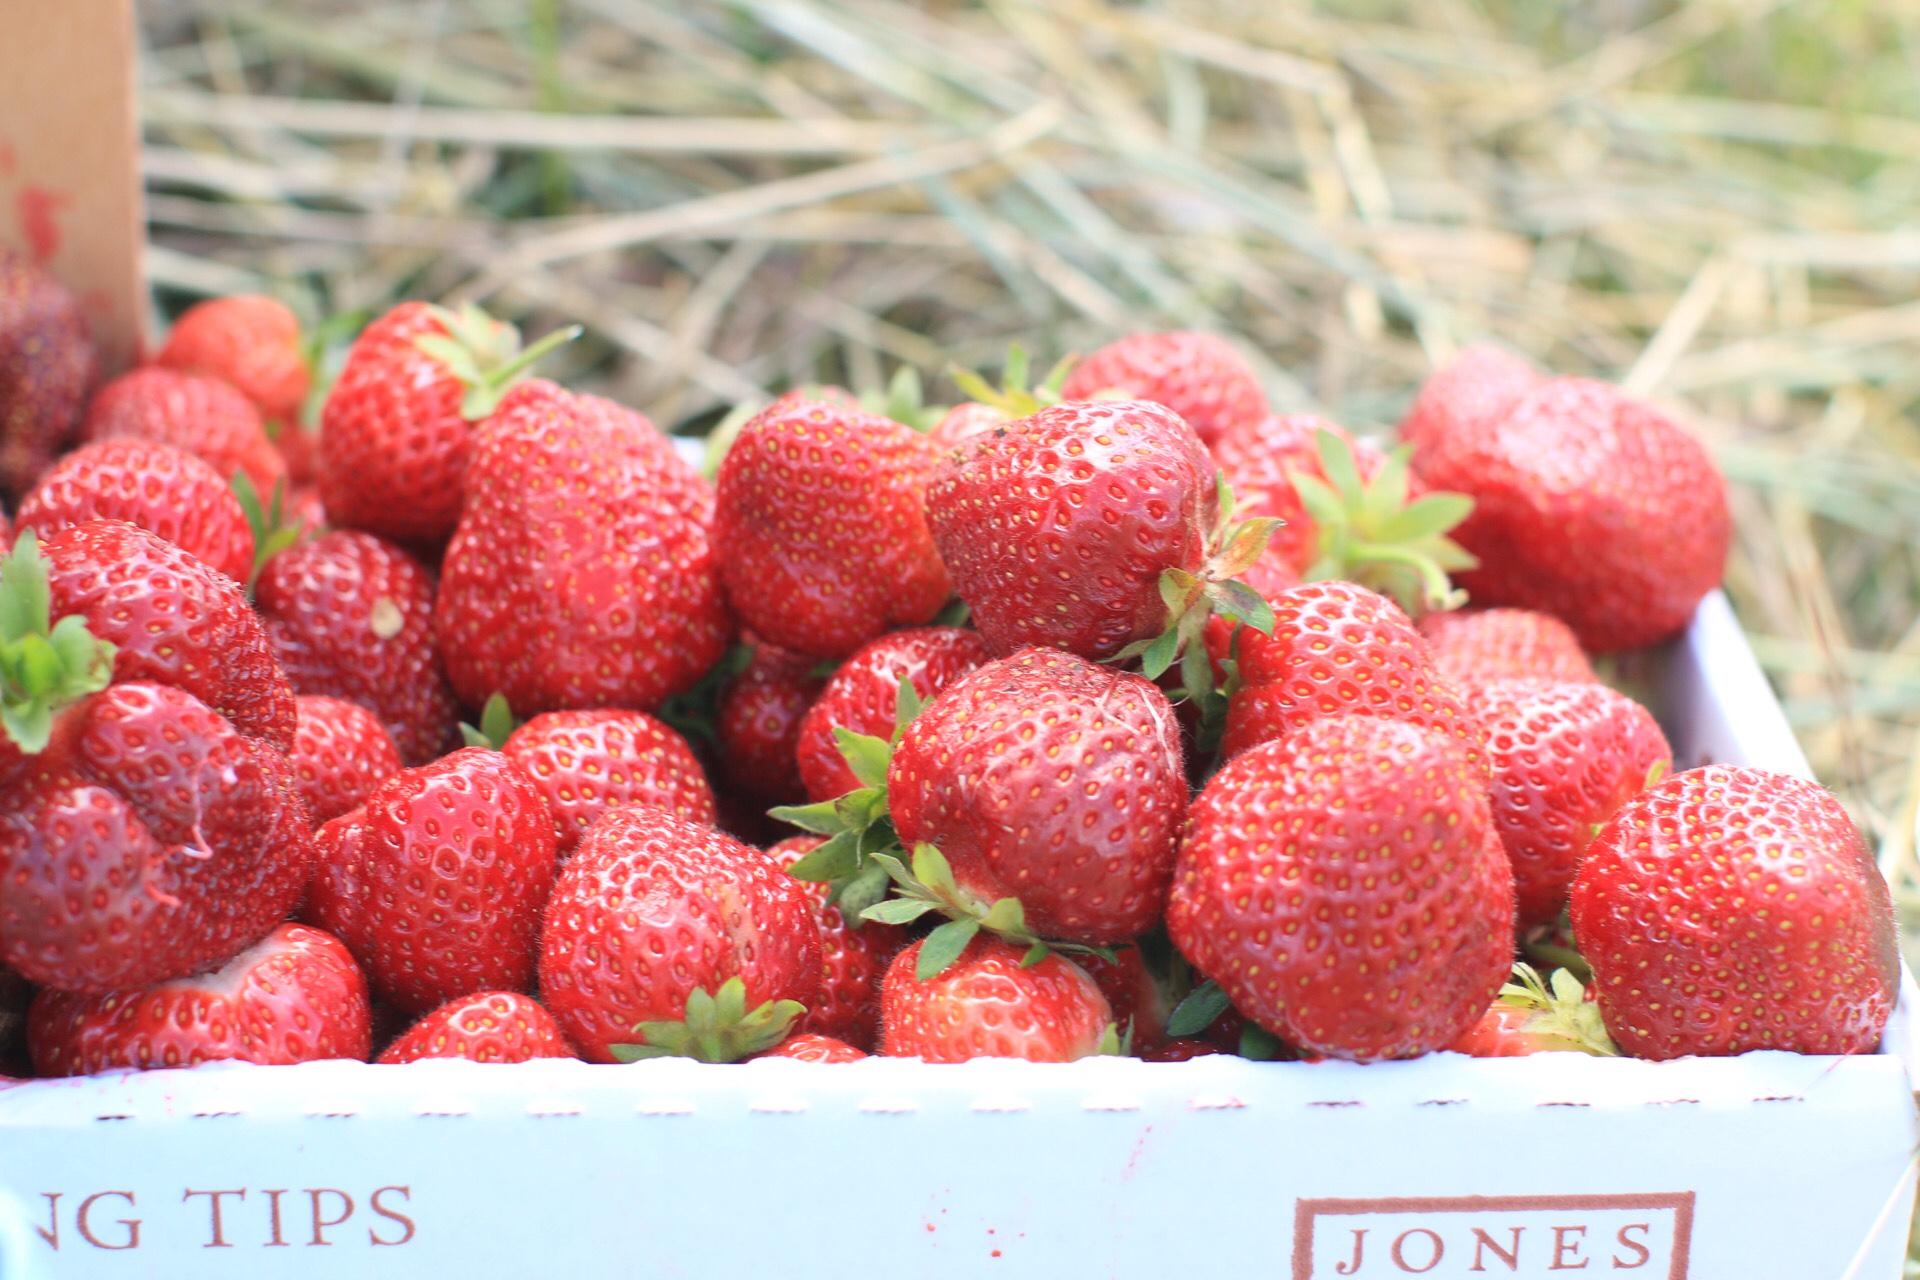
x: 1591, y: 506
x: 1337, y: 649
x: 578, y: 577
x: 1181, y: 1051
x: 1346, y: 888
x: 988, y: 1003
x: 821, y: 528
x: 437, y: 882
x: 202, y: 416
x: 351, y: 616
x: 340, y: 754
x: 294, y: 996
x: 807, y: 1047
x: 1534, y: 1015
x: 1051, y: 780
x: 585, y: 763
x: 857, y: 953
x: 154, y: 486
x: 1474, y: 389
x: 1730, y: 909
x: 862, y: 696
x: 487, y: 1026
x: 172, y: 621
x: 47, y: 367
x: 1139, y: 1004
x: 1563, y: 758
x: 249, y: 342
x: 396, y: 430
x: 1257, y: 458
x: 664, y: 937
x: 1474, y: 647
x: 1197, y: 375
x: 965, y: 421
x: 758, y: 725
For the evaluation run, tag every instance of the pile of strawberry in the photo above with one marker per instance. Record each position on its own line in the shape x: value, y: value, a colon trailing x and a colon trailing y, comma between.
x: 1120, y: 715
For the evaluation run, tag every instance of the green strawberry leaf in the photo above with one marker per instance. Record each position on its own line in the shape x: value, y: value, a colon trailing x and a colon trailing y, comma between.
x: 1160, y: 653
x: 1259, y: 1044
x: 496, y: 725
x: 898, y: 910
x: 822, y: 819
x: 867, y: 756
x: 839, y: 856
x: 1197, y: 1012
x: 717, y: 1027
x: 907, y: 704
x: 1241, y: 603
x: 942, y: 947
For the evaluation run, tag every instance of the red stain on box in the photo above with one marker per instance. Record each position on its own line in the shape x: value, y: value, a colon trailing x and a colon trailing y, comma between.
x: 39, y: 209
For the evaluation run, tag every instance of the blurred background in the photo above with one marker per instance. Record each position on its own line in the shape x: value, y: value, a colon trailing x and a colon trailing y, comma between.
x: 1712, y: 203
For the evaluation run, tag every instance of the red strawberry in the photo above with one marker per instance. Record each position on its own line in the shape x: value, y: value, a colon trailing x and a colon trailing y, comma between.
x: 1474, y: 647
x: 172, y: 621
x: 1337, y: 650
x: 821, y: 528
x: 1591, y: 506
x: 1257, y: 459
x: 488, y: 1026
x: 988, y: 1004
x: 154, y: 486
x: 578, y: 578
x: 47, y: 367
x: 1181, y: 1051
x: 862, y: 694
x: 758, y: 725
x: 202, y: 416
x: 659, y: 922
x: 1050, y: 779
x: 1346, y: 889
x: 1730, y: 909
x: 1564, y: 757
x: 1139, y: 1004
x: 294, y: 996
x: 249, y: 342
x: 848, y: 1006
x: 1197, y: 375
x: 437, y: 883
x: 807, y: 1047
x: 585, y: 763
x: 1532, y: 1017
x: 351, y: 616
x: 396, y: 431
x: 1475, y: 389
x: 965, y: 421
x: 340, y: 754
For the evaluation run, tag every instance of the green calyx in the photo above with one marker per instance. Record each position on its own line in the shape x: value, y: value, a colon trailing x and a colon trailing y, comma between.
x: 44, y: 665
x: 1197, y: 1011
x: 1562, y: 1015
x: 1371, y: 534
x: 718, y: 1027
x: 1013, y: 397
x: 497, y: 724
x: 904, y: 401
x: 485, y: 355
x: 272, y: 531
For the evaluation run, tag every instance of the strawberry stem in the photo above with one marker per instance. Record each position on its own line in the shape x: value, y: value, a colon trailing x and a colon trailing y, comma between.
x: 43, y: 667
x: 718, y: 1027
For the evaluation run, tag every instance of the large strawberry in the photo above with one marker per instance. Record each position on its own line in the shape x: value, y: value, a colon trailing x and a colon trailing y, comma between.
x: 578, y: 577
x: 663, y: 937
x: 294, y: 996
x: 47, y: 367
x: 340, y: 754
x: 437, y: 882
x: 990, y: 1003
x: 1197, y: 375
x: 488, y: 1026
x: 758, y: 721
x: 1563, y: 758
x: 862, y: 697
x: 1729, y: 909
x: 1473, y: 647
x: 821, y: 528
x: 251, y: 343
x: 1346, y: 888
x: 396, y: 431
x: 1474, y: 389
x: 1337, y: 649
x: 586, y: 763
x: 203, y: 416
x: 857, y: 953
x: 351, y: 616
x: 154, y: 486
x: 1589, y: 505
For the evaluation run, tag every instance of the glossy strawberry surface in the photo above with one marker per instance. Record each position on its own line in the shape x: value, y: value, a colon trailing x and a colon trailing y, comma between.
x: 965, y: 421
x: 806, y: 1046
x: 437, y: 883
x: 651, y: 907
x: 1474, y: 389
x: 250, y: 342
x: 294, y: 996
x: 758, y: 724
x: 1050, y: 779
x: 1346, y: 887
x: 821, y: 527
x: 1197, y: 375
x: 200, y: 415
x: 987, y: 1004
x: 341, y: 752
x: 1473, y: 647
x: 863, y: 696
x: 47, y: 368
x: 1056, y: 529
x: 585, y: 763
x: 155, y: 486
x: 848, y: 1006
x: 487, y: 1026
x: 1729, y: 909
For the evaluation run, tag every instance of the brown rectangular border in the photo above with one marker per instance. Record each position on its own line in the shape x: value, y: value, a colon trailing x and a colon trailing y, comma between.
x: 1305, y: 1211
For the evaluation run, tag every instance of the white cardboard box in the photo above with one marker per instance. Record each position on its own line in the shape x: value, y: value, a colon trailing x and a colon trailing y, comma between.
x: 1770, y: 1165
